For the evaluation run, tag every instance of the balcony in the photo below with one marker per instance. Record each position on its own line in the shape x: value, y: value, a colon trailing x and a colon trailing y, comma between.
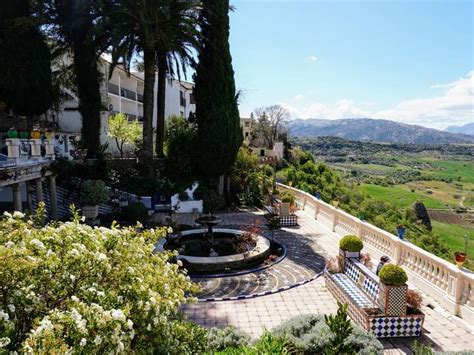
x: 139, y: 97
x: 128, y: 94
x: 113, y: 89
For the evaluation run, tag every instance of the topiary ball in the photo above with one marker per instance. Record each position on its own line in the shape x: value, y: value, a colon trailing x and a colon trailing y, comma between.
x: 393, y: 275
x: 351, y: 243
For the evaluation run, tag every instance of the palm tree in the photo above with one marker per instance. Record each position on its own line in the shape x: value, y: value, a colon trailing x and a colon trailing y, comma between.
x: 176, y: 37
x: 77, y: 25
x: 134, y: 31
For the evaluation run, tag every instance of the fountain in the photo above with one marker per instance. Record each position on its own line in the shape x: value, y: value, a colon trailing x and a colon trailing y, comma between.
x: 213, y: 250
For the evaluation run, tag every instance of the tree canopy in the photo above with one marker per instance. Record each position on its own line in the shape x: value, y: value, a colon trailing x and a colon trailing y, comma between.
x: 219, y: 134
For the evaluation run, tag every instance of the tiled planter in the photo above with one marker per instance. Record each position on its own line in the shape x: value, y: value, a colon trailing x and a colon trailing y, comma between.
x: 393, y: 299
x: 395, y: 327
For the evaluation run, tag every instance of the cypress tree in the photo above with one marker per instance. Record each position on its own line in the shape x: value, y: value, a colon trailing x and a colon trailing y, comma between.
x: 25, y: 63
x: 219, y: 134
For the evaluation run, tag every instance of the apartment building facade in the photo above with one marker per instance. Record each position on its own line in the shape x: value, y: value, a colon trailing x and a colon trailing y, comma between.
x: 123, y: 92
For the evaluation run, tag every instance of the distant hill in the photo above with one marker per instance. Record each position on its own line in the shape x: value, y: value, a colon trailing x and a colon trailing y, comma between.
x: 367, y: 129
x: 468, y: 128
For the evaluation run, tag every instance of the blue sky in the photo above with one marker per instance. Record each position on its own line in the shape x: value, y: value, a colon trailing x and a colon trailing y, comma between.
x: 410, y: 61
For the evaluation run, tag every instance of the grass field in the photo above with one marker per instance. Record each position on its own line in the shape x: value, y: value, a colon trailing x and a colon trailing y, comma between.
x: 464, y: 170
x: 401, y: 197
x: 453, y: 235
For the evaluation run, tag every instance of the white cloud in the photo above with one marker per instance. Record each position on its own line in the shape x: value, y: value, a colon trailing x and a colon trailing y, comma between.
x: 455, y: 106
x: 312, y: 58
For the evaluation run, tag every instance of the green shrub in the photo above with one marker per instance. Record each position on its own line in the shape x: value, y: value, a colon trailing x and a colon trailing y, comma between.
x: 393, y: 275
x: 229, y: 337
x: 93, y: 192
x: 212, y: 201
x: 311, y: 335
x: 135, y: 212
x: 351, y: 243
x: 288, y: 197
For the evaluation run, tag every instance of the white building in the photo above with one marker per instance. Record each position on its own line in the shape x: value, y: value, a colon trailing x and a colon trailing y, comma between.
x: 123, y: 92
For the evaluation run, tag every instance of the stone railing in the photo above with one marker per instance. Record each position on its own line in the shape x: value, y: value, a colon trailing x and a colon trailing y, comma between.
x: 452, y: 287
x: 28, y: 151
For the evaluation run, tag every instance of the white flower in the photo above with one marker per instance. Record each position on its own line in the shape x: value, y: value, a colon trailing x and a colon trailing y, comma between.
x: 9, y: 244
x: 179, y: 262
x: 73, y: 252
x: 118, y: 314
x: 4, y: 315
x: 83, y: 218
x: 148, y: 327
x: 72, y: 277
x: 18, y: 214
x: 4, y: 341
x: 100, y: 293
x: 37, y: 243
x: 74, y: 298
x: 97, y: 340
x: 11, y: 307
x: 129, y: 324
x: 170, y: 230
x: 7, y: 214
x: 83, y: 342
x: 101, y: 257
x: 120, y: 347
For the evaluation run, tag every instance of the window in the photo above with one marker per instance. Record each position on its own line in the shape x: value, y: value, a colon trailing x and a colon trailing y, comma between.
x: 247, y: 124
x: 246, y: 134
x: 262, y: 152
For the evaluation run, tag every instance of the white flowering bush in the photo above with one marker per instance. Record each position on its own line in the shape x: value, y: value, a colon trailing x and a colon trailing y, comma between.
x: 71, y: 288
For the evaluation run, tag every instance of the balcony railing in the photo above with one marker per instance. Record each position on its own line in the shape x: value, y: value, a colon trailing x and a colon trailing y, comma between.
x: 452, y: 287
x: 139, y: 97
x: 129, y: 94
x: 113, y: 89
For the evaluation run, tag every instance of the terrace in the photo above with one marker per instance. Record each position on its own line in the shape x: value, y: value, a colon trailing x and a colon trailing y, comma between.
x: 266, y: 298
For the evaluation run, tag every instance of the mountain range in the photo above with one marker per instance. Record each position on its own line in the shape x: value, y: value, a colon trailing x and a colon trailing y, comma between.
x: 468, y: 128
x: 367, y: 129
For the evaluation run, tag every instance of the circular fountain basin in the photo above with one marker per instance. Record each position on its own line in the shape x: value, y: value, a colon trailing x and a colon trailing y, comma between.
x: 203, y: 264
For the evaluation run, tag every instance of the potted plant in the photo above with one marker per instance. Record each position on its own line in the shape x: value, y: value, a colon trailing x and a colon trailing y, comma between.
x: 24, y: 135
x: 361, y: 215
x: 335, y: 202
x: 350, y: 246
x: 92, y: 193
x: 460, y: 256
x: 12, y: 133
x: 35, y: 133
x: 401, y: 231
x: 393, y: 290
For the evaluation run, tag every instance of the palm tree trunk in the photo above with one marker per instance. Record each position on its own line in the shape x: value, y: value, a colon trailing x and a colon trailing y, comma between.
x: 88, y: 88
x: 148, y: 102
x: 160, y: 103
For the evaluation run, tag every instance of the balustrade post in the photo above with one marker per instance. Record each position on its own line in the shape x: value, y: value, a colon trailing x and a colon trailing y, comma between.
x: 35, y: 145
x: 359, y: 229
x: 334, y: 218
x: 316, y: 209
x: 397, y: 253
x: 13, y: 147
x: 49, y: 149
x: 458, y: 292
x: 39, y: 190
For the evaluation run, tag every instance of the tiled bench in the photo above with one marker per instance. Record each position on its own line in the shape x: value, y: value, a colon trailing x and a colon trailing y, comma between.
x: 358, y: 286
x: 285, y: 221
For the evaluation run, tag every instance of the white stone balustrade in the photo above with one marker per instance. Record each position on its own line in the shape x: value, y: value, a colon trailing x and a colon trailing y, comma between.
x: 25, y: 151
x: 453, y: 288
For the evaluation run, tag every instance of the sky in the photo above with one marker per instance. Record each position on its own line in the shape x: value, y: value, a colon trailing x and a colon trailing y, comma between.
x: 403, y: 60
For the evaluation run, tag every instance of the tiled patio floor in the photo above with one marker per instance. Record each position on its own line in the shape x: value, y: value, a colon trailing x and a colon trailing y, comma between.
x: 442, y: 331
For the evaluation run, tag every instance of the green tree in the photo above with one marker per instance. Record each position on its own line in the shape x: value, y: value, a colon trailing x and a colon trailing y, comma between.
x: 124, y: 131
x: 180, y: 138
x: 25, y: 64
x: 219, y: 134
x: 177, y: 25
x: 78, y: 26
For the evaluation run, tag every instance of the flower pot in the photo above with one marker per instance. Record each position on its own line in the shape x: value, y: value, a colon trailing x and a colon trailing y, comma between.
x: 35, y: 134
x: 460, y: 258
x: 393, y: 299
x: 90, y: 211
x: 349, y: 254
x: 24, y: 135
x: 12, y: 133
x: 401, y: 232
x: 49, y: 134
